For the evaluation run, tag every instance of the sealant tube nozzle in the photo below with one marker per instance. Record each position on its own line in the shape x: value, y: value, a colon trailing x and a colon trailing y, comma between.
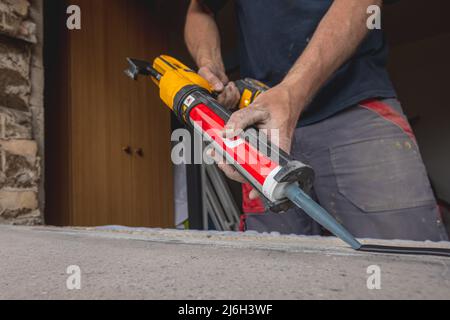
x: 320, y: 215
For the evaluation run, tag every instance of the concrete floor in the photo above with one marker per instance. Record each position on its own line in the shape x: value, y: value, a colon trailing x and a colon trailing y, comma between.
x: 162, y: 264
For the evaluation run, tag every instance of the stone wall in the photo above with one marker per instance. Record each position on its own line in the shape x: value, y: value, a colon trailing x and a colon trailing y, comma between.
x: 21, y: 110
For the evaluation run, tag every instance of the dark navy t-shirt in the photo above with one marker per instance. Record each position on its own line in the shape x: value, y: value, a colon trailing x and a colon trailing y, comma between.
x: 274, y: 33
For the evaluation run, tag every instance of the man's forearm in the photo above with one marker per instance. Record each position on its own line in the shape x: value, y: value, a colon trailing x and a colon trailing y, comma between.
x: 202, y: 36
x: 338, y: 36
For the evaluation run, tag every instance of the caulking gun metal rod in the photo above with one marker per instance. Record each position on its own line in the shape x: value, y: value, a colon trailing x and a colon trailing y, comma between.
x: 316, y: 212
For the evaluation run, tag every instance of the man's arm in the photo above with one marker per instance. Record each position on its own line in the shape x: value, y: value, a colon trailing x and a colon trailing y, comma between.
x: 339, y: 34
x: 203, y: 41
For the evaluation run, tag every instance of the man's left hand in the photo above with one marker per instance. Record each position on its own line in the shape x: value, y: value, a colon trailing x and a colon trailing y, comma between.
x: 272, y: 110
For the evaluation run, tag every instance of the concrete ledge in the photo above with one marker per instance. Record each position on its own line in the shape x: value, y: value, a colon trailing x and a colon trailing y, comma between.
x: 250, y: 240
x: 167, y: 264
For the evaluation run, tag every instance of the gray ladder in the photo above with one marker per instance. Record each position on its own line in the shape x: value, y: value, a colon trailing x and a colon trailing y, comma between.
x: 219, y: 205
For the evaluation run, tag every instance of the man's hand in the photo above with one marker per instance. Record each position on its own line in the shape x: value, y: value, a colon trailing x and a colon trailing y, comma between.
x: 215, y: 75
x: 274, y: 112
x: 229, y: 95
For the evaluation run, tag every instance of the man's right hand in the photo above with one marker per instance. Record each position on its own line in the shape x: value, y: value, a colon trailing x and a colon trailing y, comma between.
x: 228, y: 93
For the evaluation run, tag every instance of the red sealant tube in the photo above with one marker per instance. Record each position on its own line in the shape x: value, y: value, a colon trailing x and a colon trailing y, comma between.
x: 269, y: 169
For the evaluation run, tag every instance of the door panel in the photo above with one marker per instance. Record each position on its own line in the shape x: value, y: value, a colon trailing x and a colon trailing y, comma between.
x: 100, y: 119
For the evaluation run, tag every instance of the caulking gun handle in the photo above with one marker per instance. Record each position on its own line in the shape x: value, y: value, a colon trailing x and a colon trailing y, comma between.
x: 249, y: 89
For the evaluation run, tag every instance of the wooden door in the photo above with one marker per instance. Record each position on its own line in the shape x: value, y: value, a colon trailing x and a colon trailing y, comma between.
x: 118, y: 164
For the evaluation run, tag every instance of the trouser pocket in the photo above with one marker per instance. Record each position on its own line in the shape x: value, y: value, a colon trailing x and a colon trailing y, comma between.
x: 382, y: 174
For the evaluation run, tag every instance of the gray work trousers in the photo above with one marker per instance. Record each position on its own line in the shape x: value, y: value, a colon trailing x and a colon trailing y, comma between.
x: 369, y: 175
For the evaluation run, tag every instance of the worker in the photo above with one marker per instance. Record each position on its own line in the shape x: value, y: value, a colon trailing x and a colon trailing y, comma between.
x: 334, y: 107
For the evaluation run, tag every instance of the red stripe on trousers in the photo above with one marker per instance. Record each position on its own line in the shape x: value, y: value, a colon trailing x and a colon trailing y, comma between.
x: 242, y: 224
x: 251, y: 206
x: 390, y: 114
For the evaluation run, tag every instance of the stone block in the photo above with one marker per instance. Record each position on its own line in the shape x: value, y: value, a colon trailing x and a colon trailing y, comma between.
x: 13, y: 20
x: 14, y: 204
x: 15, y: 125
x: 19, y: 165
x: 15, y: 87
